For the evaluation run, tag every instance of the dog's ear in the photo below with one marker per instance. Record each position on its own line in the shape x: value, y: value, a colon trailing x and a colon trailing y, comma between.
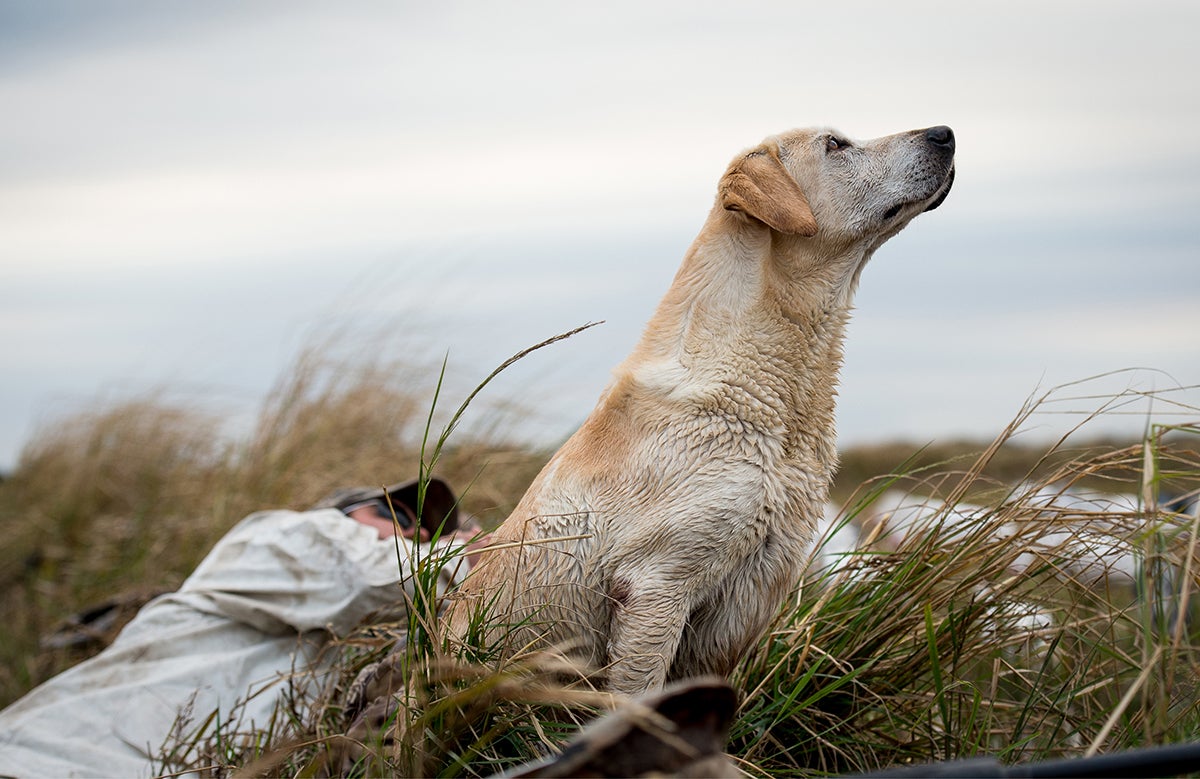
x: 759, y: 185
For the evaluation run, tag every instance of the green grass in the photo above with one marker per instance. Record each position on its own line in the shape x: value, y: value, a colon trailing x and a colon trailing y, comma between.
x: 901, y: 653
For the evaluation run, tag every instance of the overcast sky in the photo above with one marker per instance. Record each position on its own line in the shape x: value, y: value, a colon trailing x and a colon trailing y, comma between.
x: 191, y: 191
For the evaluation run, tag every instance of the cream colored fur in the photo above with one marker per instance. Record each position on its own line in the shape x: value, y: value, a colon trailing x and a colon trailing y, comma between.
x: 690, y: 494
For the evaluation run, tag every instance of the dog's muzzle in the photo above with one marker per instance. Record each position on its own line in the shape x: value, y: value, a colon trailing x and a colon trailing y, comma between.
x: 941, y: 196
x: 941, y: 139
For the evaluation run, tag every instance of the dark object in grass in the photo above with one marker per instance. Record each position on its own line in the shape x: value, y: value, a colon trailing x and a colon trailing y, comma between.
x: 95, y: 627
x: 680, y: 731
x: 1174, y: 760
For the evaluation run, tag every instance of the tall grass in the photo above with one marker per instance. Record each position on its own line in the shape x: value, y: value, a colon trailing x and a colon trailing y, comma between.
x: 976, y: 633
x: 973, y: 633
x: 125, y: 500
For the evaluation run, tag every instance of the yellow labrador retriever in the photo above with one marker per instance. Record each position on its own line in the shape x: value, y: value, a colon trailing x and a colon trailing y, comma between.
x: 661, y: 538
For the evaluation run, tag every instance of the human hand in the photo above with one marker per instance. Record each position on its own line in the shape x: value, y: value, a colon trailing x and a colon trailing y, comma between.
x: 474, y: 543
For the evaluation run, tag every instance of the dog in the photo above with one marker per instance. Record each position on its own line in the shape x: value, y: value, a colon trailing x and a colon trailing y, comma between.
x: 660, y: 540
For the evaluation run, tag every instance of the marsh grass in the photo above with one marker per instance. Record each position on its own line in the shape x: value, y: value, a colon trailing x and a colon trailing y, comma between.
x: 978, y: 632
x: 125, y: 500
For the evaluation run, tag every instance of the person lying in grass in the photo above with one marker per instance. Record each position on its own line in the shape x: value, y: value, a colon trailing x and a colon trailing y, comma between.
x: 243, y: 634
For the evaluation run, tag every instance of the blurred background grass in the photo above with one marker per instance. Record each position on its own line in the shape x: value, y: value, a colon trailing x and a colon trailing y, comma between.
x: 124, y: 501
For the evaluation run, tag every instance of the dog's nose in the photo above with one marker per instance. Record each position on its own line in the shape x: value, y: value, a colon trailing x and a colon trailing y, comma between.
x: 941, y: 136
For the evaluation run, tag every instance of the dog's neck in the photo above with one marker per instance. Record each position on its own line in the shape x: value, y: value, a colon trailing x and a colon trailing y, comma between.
x: 754, y: 320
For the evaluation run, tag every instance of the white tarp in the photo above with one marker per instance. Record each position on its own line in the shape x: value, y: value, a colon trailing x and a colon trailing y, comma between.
x: 260, y: 605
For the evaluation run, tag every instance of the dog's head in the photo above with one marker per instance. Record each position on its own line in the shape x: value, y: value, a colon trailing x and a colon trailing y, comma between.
x: 819, y: 184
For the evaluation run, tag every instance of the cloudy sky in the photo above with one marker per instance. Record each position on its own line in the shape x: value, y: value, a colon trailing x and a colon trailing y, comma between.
x: 190, y: 192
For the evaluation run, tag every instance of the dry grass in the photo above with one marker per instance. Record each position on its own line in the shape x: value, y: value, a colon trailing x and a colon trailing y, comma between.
x: 978, y: 633
x: 127, y: 499
x: 923, y: 650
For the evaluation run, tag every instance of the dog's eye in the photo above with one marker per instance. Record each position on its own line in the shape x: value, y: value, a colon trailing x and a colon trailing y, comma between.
x: 833, y: 143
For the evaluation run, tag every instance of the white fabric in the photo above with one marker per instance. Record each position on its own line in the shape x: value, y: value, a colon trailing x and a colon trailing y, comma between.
x: 261, y: 604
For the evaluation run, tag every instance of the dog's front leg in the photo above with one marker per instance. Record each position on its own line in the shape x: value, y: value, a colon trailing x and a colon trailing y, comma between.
x: 646, y: 629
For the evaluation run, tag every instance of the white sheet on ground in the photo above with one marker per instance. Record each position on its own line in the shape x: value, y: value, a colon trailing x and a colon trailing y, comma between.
x: 260, y: 605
